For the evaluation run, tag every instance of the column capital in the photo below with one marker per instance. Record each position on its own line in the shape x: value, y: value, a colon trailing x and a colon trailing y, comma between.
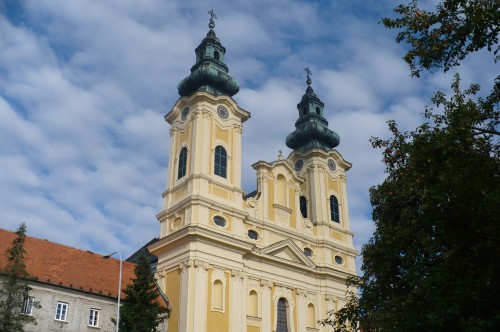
x: 200, y: 265
x: 160, y: 274
x: 238, y: 274
x: 266, y: 283
x: 301, y: 292
x: 185, y: 265
x: 330, y: 297
x: 238, y: 128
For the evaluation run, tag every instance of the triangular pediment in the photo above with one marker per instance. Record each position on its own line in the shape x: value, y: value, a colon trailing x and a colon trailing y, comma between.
x: 288, y: 250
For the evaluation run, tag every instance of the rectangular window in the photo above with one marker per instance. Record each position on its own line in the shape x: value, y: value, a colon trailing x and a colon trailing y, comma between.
x: 94, y: 317
x: 27, y: 308
x: 61, y: 311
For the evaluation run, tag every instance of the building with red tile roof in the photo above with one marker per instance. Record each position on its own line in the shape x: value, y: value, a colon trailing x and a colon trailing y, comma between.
x: 82, y: 281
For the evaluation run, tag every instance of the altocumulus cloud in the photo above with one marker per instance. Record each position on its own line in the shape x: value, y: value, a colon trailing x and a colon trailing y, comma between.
x: 84, y: 86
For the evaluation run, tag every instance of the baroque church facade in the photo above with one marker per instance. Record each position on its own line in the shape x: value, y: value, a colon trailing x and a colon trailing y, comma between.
x: 276, y: 259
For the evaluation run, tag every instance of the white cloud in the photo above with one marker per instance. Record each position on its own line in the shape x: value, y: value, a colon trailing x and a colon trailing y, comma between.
x: 84, y: 85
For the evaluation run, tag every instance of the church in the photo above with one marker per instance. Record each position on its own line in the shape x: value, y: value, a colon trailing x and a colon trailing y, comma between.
x: 275, y: 259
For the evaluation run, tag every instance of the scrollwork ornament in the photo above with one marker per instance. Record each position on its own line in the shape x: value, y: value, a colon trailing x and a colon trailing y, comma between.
x: 330, y: 298
x: 238, y: 128
x: 301, y: 292
x: 185, y: 265
x: 201, y: 266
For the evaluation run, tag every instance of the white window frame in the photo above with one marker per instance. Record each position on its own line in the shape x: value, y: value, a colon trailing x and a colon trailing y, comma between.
x: 28, y: 303
x: 62, y: 311
x: 94, y: 317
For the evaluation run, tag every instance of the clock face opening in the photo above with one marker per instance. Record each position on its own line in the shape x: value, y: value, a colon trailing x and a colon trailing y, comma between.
x: 298, y: 165
x: 331, y: 165
x: 222, y: 112
x: 184, y: 113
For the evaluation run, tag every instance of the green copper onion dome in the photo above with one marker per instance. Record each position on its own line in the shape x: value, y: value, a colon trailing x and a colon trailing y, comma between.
x: 209, y: 73
x: 311, y: 128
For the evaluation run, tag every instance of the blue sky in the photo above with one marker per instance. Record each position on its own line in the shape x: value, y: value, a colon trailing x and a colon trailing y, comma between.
x: 84, y: 86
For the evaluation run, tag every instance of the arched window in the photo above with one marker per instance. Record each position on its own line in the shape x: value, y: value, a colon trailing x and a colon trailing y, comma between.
x: 182, y: 163
x: 281, y: 325
x: 220, y: 162
x: 216, y: 55
x: 334, y: 209
x: 303, y: 206
x: 218, y: 295
x: 311, y: 316
x: 253, y: 304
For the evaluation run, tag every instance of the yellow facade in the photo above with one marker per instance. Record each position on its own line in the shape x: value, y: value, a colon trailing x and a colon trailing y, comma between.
x: 229, y: 259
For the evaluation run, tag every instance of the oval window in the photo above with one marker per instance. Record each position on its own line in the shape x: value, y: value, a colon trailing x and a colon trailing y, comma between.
x: 339, y: 260
x: 219, y: 221
x: 308, y: 252
x: 253, y: 234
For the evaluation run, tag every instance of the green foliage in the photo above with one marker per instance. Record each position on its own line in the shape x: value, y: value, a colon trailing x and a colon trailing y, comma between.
x: 445, y: 36
x: 347, y: 318
x: 141, y: 310
x: 431, y: 264
x: 15, y: 287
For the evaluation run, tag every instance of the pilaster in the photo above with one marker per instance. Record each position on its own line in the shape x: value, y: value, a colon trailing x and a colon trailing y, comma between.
x: 238, y: 302
x: 186, y: 297
x: 200, y: 288
x: 301, y: 310
x: 266, y: 305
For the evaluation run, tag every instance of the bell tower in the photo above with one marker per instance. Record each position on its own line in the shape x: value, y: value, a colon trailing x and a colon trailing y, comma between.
x: 323, y: 197
x: 206, y: 131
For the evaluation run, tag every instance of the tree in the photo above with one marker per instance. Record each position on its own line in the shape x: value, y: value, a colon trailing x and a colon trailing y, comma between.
x: 141, y: 311
x: 15, y: 289
x: 430, y: 265
x: 444, y: 37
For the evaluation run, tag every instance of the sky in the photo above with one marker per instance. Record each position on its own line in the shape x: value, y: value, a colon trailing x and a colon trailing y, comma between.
x: 84, y: 86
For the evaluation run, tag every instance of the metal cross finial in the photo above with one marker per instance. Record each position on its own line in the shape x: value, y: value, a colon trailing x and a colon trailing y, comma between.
x: 308, y: 75
x: 211, y: 25
x: 212, y: 14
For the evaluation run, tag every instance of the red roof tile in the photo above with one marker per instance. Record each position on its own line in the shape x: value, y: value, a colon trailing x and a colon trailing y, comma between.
x: 69, y: 267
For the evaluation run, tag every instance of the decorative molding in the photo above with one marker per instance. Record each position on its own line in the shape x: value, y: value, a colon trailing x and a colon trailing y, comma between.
x: 207, y: 114
x: 238, y: 128
x: 218, y: 274
x: 201, y: 266
x: 330, y: 297
x: 265, y: 284
x: 160, y: 274
x: 238, y: 275
x: 253, y: 284
x: 307, y: 224
x: 311, y: 168
x: 301, y: 292
x: 285, y: 293
x: 185, y: 265
x: 312, y: 298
